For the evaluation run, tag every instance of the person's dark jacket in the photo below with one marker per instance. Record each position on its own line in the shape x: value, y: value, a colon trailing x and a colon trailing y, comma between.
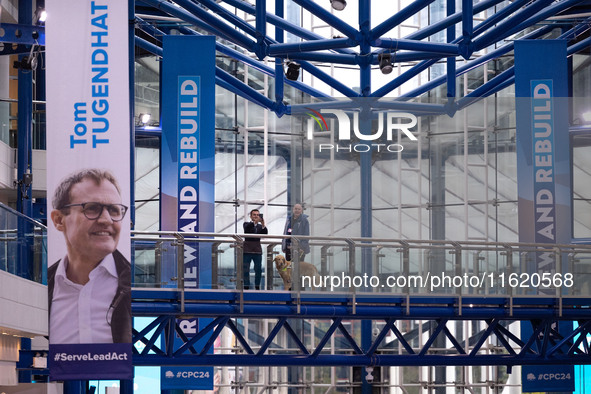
x: 121, y: 322
x: 253, y: 245
x: 299, y: 226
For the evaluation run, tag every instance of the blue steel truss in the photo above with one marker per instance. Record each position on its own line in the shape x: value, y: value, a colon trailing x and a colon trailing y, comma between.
x: 360, y: 46
x: 226, y: 309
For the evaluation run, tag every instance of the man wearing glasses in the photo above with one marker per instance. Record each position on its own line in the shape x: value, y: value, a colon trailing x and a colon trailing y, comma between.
x: 90, y: 288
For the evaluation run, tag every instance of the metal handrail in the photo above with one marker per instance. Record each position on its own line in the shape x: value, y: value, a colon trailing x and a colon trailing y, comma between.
x: 455, y: 261
x: 364, y: 241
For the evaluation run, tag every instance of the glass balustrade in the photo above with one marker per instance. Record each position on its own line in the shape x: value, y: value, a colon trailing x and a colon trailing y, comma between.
x: 369, y: 266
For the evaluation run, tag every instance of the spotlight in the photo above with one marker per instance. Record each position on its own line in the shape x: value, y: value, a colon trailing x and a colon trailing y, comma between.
x: 293, y: 71
x: 586, y: 117
x: 144, y: 118
x: 385, y: 62
x: 40, y: 16
x: 338, y: 5
x: 27, y: 62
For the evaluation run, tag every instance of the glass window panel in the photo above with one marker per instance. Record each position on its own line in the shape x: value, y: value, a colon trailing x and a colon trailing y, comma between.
x: 147, y: 88
x: 507, y: 224
x: 256, y: 115
x: 581, y: 187
x: 506, y: 176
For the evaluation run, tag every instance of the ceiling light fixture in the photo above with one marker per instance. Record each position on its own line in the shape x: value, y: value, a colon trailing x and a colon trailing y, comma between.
x: 338, y: 5
x: 293, y: 71
x: 385, y: 62
x: 144, y: 118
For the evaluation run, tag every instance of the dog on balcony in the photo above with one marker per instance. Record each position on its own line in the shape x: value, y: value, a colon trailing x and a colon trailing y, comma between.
x: 285, y: 271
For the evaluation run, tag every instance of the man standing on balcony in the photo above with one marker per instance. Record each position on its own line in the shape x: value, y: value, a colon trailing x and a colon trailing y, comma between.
x: 90, y: 288
x: 296, y: 224
x: 253, y: 250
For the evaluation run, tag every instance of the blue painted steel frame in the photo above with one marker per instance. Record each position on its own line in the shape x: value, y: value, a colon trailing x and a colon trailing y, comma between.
x: 512, y: 18
x: 254, y: 39
x: 546, y: 346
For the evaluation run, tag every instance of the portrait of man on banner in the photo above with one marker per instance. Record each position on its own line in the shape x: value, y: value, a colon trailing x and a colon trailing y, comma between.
x: 90, y: 287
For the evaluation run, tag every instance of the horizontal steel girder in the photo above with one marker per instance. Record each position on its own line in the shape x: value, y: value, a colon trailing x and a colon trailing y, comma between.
x: 392, y: 346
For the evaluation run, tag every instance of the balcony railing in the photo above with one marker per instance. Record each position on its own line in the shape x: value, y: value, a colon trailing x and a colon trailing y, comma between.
x: 350, y: 265
x: 378, y: 266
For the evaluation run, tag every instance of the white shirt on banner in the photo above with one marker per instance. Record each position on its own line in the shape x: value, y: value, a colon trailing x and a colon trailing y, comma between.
x: 80, y: 313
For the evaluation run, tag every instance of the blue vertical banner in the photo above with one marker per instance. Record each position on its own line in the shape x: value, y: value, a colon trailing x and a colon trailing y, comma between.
x: 88, y: 190
x: 187, y: 174
x: 543, y: 177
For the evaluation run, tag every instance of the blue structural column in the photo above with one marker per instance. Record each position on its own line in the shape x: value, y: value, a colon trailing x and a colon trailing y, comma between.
x: 25, y: 126
x: 365, y: 161
x: 126, y: 386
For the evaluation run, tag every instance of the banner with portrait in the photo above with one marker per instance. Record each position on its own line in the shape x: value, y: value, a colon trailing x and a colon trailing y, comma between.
x: 88, y: 190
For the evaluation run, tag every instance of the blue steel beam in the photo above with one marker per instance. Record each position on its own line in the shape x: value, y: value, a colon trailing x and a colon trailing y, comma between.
x: 450, y: 20
x: 258, y: 32
x: 440, y: 325
x: 279, y: 38
x: 579, y: 46
x: 297, y: 340
x: 236, y: 85
x: 324, y: 57
x: 486, y: 89
x: 223, y: 79
x: 499, y: 16
x: 225, y: 14
x: 329, y: 18
x: 146, y: 25
x: 412, y: 56
x: 223, y: 360
x: 431, y: 84
x: 261, y: 18
x: 475, y: 63
x: 321, y: 44
x: 511, y: 80
x: 148, y: 46
x: 241, y: 57
x: 278, y: 21
x: 507, y: 77
x: 547, y: 12
x: 269, y: 304
x: 330, y: 81
x: 399, y: 80
x: 415, y: 108
x: 505, y: 28
x: 327, y: 336
x: 479, y: 29
x: 14, y: 49
x: 17, y: 33
x: 272, y: 335
x: 212, y: 24
x: 415, y: 45
x: 445, y: 23
x: 467, y: 20
x: 316, y: 45
x: 398, y: 18
x: 565, y: 349
x: 451, y: 36
x: 261, y: 28
x: 245, y: 90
